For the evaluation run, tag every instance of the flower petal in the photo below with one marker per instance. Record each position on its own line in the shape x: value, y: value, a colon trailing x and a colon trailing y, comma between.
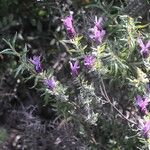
x: 148, y: 44
x: 140, y: 42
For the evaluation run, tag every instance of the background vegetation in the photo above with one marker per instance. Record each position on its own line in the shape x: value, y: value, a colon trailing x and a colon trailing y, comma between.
x: 96, y: 110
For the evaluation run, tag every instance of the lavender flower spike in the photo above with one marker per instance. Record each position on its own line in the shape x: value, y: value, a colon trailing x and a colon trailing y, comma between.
x: 69, y: 25
x: 144, y: 127
x: 142, y: 104
x: 98, y: 22
x: 96, y: 34
x: 144, y: 47
x: 74, y: 68
x: 50, y: 83
x: 37, y: 63
x: 89, y: 61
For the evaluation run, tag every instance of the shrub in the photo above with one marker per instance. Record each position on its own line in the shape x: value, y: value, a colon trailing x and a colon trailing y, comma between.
x: 104, y: 74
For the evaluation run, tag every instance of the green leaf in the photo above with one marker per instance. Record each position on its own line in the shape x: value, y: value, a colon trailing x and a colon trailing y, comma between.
x: 7, y: 51
x: 12, y: 47
x: 18, y: 70
x: 35, y: 82
x: 8, y: 43
x: 29, y: 78
x: 24, y: 54
x: 14, y: 40
x: 142, y: 26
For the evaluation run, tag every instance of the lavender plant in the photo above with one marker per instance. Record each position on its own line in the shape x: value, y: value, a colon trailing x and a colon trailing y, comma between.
x: 116, y: 58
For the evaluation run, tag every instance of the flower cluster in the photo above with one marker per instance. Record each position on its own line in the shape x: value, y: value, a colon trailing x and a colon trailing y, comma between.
x: 144, y: 125
x: 142, y: 103
x: 69, y: 25
x: 97, y: 32
x: 36, y: 61
x: 89, y: 61
x: 50, y: 83
x: 144, y: 48
x: 74, y: 68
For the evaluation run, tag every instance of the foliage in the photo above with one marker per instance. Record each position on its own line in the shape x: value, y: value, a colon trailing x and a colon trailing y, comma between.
x: 3, y: 135
x: 96, y: 99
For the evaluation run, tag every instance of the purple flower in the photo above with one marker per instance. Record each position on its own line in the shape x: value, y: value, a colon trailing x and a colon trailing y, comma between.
x: 89, y: 61
x: 50, y: 83
x: 74, y: 68
x: 144, y: 127
x: 142, y: 103
x: 96, y: 34
x: 69, y: 26
x: 37, y: 63
x: 144, y: 47
x: 98, y: 22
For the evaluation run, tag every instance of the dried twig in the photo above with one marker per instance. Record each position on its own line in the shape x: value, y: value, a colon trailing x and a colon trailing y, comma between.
x: 105, y: 95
